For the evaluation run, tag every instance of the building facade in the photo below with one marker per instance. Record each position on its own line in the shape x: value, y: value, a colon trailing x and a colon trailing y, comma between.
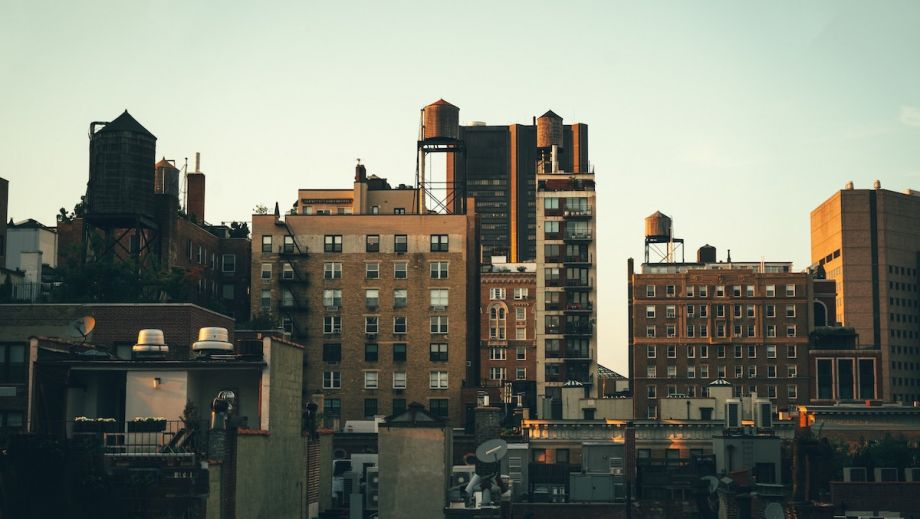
x: 868, y: 241
x: 497, y: 168
x: 386, y: 305
x: 507, y: 325
x: 566, y: 280
x: 692, y: 323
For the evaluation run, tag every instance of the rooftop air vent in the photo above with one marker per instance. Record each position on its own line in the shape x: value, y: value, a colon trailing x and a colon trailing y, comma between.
x: 150, y: 345
x: 212, y: 341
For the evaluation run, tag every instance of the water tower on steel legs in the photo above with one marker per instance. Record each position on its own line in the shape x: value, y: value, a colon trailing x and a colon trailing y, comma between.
x: 120, y: 205
x: 660, y: 244
x: 439, y: 132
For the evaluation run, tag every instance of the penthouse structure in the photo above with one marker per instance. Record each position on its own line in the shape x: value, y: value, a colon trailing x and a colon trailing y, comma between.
x: 868, y: 241
x: 385, y: 299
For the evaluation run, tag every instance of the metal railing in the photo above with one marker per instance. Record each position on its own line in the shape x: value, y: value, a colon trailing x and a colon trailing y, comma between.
x: 130, y: 438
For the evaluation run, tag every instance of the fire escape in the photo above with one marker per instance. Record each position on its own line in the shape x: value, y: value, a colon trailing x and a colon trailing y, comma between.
x: 294, y: 282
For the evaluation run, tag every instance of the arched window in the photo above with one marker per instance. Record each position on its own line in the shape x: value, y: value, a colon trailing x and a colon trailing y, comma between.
x: 497, y: 317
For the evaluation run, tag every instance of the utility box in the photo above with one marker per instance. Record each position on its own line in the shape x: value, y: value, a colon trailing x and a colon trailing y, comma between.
x: 590, y: 488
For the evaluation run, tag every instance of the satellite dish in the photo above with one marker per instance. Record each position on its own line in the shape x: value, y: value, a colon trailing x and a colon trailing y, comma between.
x: 712, y: 483
x: 84, y: 326
x: 492, y: 451
x: 774, y: 511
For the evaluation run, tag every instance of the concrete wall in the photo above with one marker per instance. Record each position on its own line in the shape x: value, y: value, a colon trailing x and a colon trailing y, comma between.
x: 213, y: 504
x: 414, y: 471
x: 679, y: 408
x: 168, y: 400
x: 574, y: 404
x: 28, y: 240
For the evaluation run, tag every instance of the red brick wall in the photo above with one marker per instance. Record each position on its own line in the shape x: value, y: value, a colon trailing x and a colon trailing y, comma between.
x: 903, y: 497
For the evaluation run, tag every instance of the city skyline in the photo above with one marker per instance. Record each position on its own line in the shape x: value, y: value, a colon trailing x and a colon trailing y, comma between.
x: 769, y: 109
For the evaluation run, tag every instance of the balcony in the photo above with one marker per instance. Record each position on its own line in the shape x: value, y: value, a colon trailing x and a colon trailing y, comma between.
x: 552, y: 236
x: 581, y: 329
x: 578, y: 214
x: 578, y: 237
x: 577, y: 283
x: 577, y: 308
x: 553, y: 282
x: 553, y: 259
x: 550, y: 329
x: 552, y: 306
x: 577, y: 260
x: 577, y: 354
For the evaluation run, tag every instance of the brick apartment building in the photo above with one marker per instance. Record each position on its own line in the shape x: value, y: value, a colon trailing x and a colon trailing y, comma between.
x: 868, y: 241
x: 132, y: 206
x: 385, y: 300
x: 507, y: 328
x: 692, y: 323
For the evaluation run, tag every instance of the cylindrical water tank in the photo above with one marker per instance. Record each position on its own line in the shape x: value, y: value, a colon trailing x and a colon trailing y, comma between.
x: 658, y: 226
x: 166, y: 178
x: 549, y: 130
x: 706, y: 254
x: 442, y: 120
x: 120, y: 183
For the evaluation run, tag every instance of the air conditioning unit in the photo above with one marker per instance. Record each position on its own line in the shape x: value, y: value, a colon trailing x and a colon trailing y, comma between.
x: 854, y: 474
x: 886, y: 474
x: 332, y: 308
x: 438, y: 308
x: 912, y: 474
x: 461, y: 475
x: 732, y: 413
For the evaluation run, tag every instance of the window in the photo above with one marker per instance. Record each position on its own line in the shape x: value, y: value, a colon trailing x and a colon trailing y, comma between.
x: 771, y: 371
x: 669, y: 291
x: 704, y: 371
x: 752, y: 371
x: 792, y: 391
x: 372, y: 270
x: 736, y: 291
x: 691, y: 351
x: 400, y: 243
x: 651, y: 371
x: 689, y: 290
x: 520, y: 353
x: 437, y: 380
x: 720, y: 310
x: 750, y: 331
x: 672, y: 351
x: 400, y: 298
x: 439, y: 243
x: 287, y: 271
x: 771, y: 290
x: 438, y: 297
x: 771, y: 310
x: 649, y: 290
x: 704, y: 351
x: 438, y: 324
x: 790, y: 310
x: 736, y: 332
x: 332, y: 352
x: 438, y: 407
x: 371, y: 298
x: 704, y: 311
x: 691, y: 371
x: 228, y: 291
x: 332, y: 380
x: 265, y: 299
x: 520, y: 313
x: 437, y: 352
x: 720, y: 290
x: 332, y: 324
x: 672, y: 371
x: 13, y: 366
x: 650, y: 312
x: 497, y: 354
x: 737, y: 311
x: 749, y: 291
x: 520, y: 294
x: 691, y: 330
x: 551, y: 202
x: 496, y: 294
x: 650, y: 331
x: 266, y: 244
x: 332, y: 243
x: 399, y: 380
x: 497, y: 323
x: 792, y: 371
x: 739, y: 371
x: 400, y: 270
x: 550, y: 229
x: 332, y: 270
x: 400, y: 325
x: 771, y: 351
x: 703, y: 290
x: 790, y: 290
x: 332, y: 298
x: 371, y: 352
x: 749, y: 311
x: 520, y: 373
x: 720, y: 371
x: 790, y: 331
x: 652, y: 391
x: 438, y: 269
x: 228, y: 263
x: 771, y: 330
x: 372, y: 243
x: 371, y: 324
x: 370, y: 407
x: 266, y: 274
x: 651, y: 352
x: 371, y: 379
x: 498, y: 374
x: 791, y: 351
x: 332, y: 408
x: 739, y: 351
x: 670, y: 311
x: 690, y: 311
x: 399, y: 404
x: 399, y: 352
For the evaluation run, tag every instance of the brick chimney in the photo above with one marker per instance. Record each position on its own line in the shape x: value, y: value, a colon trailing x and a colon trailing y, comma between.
x: 195, y: 192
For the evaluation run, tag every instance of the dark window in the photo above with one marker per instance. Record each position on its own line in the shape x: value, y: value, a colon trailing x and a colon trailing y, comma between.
x: 13, y: 363
x: 288, y: 245
x: 399, y: 352
x: 765, y: 473
x: 438, y: 243
x: 266, y: 244
x: 438, y: 407
x: 332, y: 407
x: 399, y: 210
x: 332, y: 243
x: 825, y: 379
x: 438, y: 352
x: 372, y: 243
x: 370, y: 407
x: 562, y: 455
x: 400, y: 243
x: 371, y: 352
x: 399, y: 406
x: 866, y: 379
x: 588, y: 413
x: 845, y: 379
x: 332, y: 352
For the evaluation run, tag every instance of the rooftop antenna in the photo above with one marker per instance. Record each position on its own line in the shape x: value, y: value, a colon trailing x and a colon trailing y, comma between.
x: 184, y: 184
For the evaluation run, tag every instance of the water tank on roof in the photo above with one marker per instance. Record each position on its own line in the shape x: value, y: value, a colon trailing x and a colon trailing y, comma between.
x: 658, y: 226
x: 166, y: 178
x: 442, y: 120
x: 706, y: 254
x: 549, y: 130
x: 120, y: 155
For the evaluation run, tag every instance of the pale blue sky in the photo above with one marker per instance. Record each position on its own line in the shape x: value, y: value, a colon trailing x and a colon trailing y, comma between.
x: 736, y: 118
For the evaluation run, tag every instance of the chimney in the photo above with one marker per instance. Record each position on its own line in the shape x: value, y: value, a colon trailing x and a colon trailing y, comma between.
x: 195, y: 191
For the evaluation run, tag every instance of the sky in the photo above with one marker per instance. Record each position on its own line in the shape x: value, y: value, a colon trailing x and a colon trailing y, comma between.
x: 734, y: 118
